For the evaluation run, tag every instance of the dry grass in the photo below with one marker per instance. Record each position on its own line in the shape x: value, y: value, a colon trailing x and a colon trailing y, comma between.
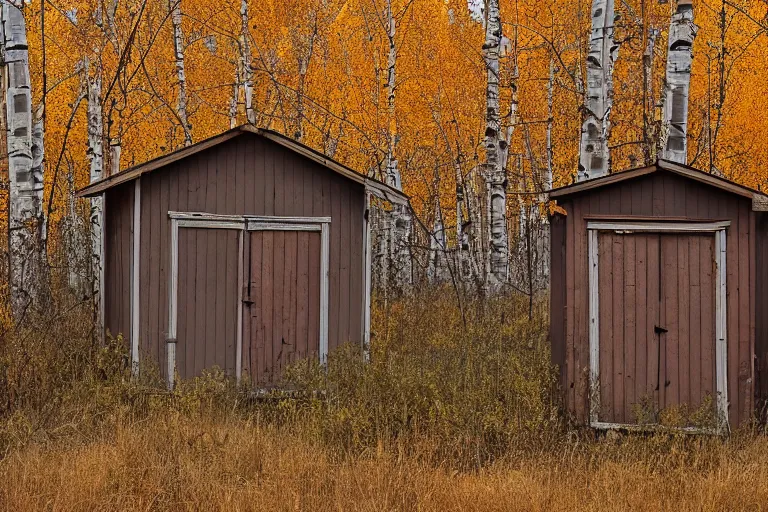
x: 446, y: 416
x: 183, y: 463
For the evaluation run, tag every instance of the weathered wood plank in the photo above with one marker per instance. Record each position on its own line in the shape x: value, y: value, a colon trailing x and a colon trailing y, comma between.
x: 605, y: 287
x: 695, y: 248
x: 684, y: 319
x: 630, y: 324
x: 618, y: 327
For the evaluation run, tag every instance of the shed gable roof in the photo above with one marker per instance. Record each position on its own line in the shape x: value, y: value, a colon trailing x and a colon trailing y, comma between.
x: 759, y: 200
x: 376, y: 187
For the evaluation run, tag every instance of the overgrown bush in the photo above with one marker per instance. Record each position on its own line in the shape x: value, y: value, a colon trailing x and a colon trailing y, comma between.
x: 472, y: 386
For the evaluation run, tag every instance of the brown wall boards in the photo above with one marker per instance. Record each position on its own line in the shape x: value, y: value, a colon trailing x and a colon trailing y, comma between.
x: 247, y: 251
x: 656, y: 299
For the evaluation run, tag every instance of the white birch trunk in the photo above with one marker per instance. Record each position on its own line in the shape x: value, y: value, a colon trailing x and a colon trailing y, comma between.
x: 595, y: 158
x: 25, y: 157
x: 96, y: 156
x: 178, y: 50
x: 462, y: 241
x: 437, y: 247
x: 548, y: 178
x: 649, y: 146
x: 245, y: 62
x: 682, y: 32
x: 497, y: 266
x: 233, y: 101
x: 400, y: 225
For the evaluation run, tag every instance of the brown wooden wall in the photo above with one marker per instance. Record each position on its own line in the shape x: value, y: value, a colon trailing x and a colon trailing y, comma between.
x: 761, y: 321
x: 118, y: 233
x: 660, y: 194
x: 247, y: 175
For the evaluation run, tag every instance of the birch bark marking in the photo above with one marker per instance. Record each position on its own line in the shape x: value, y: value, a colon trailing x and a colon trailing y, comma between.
x: 495, y: 148
x: 400, y: 224
x: 96, y: 156
x: 595, y: 158
x: 245, y: 62
x: 178, y: 49
x: 25, y: 170
x: 682, y: 32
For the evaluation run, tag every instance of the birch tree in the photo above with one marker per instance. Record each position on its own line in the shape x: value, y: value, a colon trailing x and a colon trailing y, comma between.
x: 401, y: 223
x: 25, y: 159
x: 682, y: 32
x: 497, y: 265
x: 594, y: 157
x: 245, y: 62
x: 181, y: 77
x: 96, y: 155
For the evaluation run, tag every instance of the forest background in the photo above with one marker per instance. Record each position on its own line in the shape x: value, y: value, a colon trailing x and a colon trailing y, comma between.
x: 318, y: 70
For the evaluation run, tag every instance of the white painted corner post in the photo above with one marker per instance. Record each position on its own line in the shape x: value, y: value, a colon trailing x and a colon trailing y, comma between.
x: 367, y: 276
x: 173, y: 291
x: 721, y: 346
x: 136, y: 277
x: 325, y: 257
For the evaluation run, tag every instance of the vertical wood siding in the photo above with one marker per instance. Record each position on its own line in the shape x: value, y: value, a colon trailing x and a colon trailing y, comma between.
x: 663, y: 194
x: 118, y: 235
x: 207, y: 301
x: 557, y: 295
x: 761, y: 304
x: 248, y: 175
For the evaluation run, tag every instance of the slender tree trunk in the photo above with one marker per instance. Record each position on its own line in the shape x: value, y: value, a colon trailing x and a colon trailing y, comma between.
x: 595, y: 158
x: 649, y: 101
x: 682, y: 32
x: 178, y: 50
x: 245, y: 59
x: 400, y: 225
x: 96, y: 156
x: 462, y: 243
x: 497, y: 266
x: 437, y: 246
x: 548, y: 178
x: 25, y: 169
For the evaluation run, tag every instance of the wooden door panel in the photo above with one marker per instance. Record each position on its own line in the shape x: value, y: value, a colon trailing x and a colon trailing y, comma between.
x: 207, y: 301
x: 628, y: 281
x: 688, y: 277
x: 282, y: 301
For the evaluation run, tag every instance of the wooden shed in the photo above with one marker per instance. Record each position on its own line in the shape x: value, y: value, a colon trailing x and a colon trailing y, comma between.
x: 658, y: 297
x: 246, y: 251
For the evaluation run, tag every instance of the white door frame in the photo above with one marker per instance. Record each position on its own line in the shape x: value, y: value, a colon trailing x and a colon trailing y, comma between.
x: 242, y: 223
x: 721, y: 344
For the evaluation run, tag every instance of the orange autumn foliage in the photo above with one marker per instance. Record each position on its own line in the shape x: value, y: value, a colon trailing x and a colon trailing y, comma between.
x: 340, y: 101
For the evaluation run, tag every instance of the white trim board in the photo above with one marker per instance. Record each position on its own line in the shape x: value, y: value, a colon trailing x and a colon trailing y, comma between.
x: 721, y: 351
x: 243, y: 224
x: 135, y: 278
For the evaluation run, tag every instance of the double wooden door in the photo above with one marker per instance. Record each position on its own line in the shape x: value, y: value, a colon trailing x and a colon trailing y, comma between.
x: 656, y: 325
x: 252, y: 297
